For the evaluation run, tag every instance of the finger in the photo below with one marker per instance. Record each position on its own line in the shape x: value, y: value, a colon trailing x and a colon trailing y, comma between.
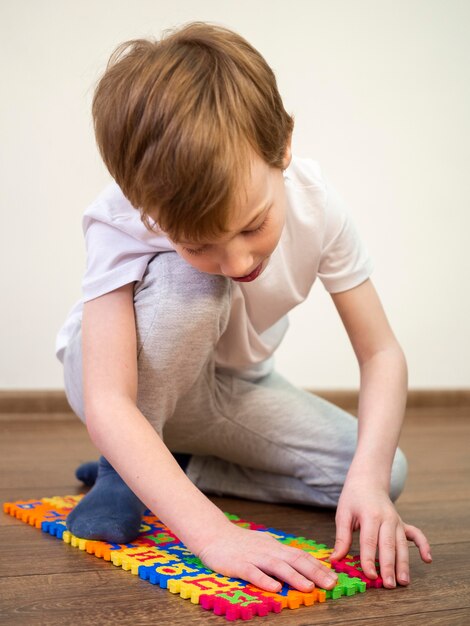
x: 368, y: 546
x: 387, y: 547
x: 417, y: 536
x: 311, y: 568
x: 402, y: 567
x: 257, y: 577
x: 284, y: 571
x: 343, y: 538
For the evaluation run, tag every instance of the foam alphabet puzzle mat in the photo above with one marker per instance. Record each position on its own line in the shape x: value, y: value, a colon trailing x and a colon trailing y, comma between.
x: 160, y: 558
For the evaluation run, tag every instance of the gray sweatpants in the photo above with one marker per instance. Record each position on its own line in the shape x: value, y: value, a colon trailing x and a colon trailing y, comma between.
x: 265, y: 440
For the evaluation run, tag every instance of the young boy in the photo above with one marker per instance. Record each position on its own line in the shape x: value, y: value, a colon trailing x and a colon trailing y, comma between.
x: 211, y: 233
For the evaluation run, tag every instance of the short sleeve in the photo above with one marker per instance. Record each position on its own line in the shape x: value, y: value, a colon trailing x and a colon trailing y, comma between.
x: 114, y: 258
x: 118, y: 245
x: 344, y: 260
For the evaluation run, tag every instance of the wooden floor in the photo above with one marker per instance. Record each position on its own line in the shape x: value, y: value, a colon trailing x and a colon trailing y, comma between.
x: 44, y: 581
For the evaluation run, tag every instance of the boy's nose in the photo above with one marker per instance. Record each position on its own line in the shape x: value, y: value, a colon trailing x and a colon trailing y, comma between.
x: 237, y: 263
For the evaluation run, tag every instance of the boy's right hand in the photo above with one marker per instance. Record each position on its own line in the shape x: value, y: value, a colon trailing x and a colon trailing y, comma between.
x: 253, y: 555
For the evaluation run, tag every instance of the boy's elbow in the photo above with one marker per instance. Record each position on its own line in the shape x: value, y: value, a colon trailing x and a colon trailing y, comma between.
x: 391, y: 356
x: 398, y: 358
x: 101, y: 414
x: 401, y: 358
x: 405, y: 368
x: 94, y: 425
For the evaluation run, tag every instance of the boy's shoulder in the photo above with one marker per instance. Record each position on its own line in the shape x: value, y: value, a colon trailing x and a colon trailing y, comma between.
x: 304, y: 172
x: 112, y: 221
x: 110, y: 205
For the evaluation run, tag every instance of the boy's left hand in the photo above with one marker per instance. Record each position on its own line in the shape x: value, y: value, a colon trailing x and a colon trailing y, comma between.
x: 368, y: 508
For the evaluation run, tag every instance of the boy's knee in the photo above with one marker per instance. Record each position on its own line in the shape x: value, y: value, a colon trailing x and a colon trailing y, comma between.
x: 182, y: 296
x: 399, y: 474
x: 180, y: 315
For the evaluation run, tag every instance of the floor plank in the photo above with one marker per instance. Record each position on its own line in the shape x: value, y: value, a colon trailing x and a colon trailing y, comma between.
x: 44, y: 581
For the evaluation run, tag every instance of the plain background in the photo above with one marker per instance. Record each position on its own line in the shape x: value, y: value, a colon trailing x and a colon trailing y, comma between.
x: 381, y: 97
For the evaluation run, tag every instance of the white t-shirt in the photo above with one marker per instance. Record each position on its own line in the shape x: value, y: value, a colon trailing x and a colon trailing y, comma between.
x: 319, y: 239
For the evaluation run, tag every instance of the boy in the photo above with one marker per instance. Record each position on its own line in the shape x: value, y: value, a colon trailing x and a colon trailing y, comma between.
x: 211, y: 234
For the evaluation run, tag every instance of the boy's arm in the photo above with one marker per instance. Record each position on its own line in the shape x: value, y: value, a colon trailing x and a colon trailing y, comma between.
x: 365, y: 500
x: 120, y: 430
x: 125, y: 437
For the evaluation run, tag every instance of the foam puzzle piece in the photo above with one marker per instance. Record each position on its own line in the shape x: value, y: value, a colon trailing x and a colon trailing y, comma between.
x: 352, y: 567
x: 158, y: 556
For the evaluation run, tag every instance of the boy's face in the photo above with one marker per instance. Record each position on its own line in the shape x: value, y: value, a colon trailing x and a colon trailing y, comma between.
x: 255, y: 229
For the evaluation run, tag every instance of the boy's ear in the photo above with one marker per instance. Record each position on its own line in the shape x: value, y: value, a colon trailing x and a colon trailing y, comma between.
x: 287, y: 153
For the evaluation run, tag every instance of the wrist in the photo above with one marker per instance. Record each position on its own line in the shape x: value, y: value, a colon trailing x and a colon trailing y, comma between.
x: 205, y: 529
x: 370, y: 473
x: 194, y: 518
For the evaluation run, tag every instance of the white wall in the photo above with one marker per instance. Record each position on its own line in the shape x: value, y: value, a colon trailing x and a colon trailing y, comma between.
x: 380, y: 92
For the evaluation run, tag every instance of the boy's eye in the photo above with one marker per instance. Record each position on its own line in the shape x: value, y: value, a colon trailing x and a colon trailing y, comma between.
x: 196, y: 251
x: 257, y: 230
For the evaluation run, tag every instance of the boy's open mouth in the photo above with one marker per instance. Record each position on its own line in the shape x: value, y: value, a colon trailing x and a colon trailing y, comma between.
x: 254, y: 274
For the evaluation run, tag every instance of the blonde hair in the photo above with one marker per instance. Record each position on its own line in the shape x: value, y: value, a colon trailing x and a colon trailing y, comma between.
x: 177, y: 121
